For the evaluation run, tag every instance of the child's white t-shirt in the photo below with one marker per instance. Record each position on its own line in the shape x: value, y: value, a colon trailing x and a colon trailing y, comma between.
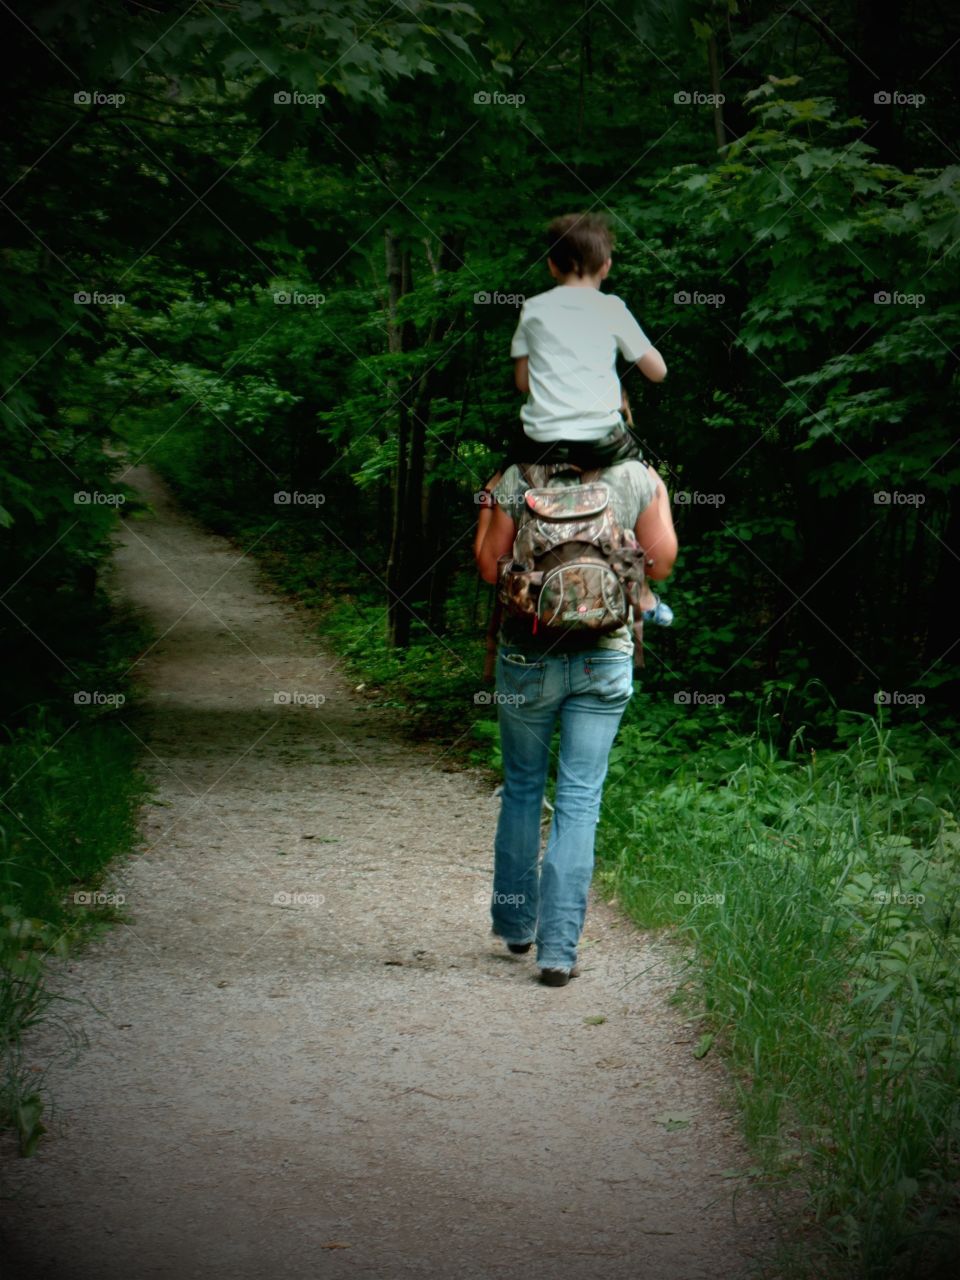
x: 571, y: 334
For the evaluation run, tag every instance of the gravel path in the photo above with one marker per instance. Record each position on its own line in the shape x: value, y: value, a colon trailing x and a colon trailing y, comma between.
x: 359, y: 1082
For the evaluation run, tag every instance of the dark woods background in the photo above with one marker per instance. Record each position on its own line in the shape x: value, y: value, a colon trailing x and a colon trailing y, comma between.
x: 276, y: 251
x: 289, y: 295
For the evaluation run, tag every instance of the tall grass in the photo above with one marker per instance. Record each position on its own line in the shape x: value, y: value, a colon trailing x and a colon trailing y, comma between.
x: 818, y: 896
x: 70, y: 791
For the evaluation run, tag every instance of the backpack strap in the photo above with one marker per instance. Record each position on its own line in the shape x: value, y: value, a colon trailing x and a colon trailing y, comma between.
x: 532, y: 474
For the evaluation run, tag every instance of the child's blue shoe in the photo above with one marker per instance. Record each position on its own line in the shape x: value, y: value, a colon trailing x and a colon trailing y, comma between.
x: 661, y: 613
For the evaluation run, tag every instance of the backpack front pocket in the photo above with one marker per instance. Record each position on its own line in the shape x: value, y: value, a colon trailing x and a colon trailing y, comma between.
x: 582, y: 594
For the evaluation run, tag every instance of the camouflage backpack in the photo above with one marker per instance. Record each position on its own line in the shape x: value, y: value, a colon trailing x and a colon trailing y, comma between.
x: 573, y: 568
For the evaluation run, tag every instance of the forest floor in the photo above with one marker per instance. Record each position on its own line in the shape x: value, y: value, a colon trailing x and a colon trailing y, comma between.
x: 361, y: 1081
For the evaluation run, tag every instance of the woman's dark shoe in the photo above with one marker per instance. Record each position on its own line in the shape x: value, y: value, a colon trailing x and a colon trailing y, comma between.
x: 519, y: 948
x: 558, y: 977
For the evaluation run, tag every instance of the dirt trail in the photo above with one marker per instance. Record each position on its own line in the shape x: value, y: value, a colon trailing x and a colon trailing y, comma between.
x: 368, y: 1085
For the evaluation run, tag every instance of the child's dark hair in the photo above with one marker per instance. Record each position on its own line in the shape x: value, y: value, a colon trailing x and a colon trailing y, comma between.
x: 580, y: 242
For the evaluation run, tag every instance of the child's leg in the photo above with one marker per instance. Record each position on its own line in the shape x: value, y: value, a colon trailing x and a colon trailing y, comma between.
x: 522, y: 449
x: 626, y: 442
x: 617, y: 446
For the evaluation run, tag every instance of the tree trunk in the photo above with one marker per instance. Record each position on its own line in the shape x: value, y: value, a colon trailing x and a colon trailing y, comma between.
x: 398, y: 617
x: 718, y: 128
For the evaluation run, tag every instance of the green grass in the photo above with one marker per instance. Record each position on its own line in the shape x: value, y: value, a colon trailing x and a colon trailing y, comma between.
x: 816, y: 895
x: 71, y: 788
x: 72, y: 795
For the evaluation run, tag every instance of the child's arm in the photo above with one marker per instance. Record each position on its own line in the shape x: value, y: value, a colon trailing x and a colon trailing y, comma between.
x: 652, y: 365
x: 521, y: 373
x: 631, y: 339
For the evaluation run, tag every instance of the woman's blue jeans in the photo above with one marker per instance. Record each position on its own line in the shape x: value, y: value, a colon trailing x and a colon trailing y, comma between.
x: 588, y: 691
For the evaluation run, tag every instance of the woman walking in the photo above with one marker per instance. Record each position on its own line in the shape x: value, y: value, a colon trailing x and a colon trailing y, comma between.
x: 584, y: 683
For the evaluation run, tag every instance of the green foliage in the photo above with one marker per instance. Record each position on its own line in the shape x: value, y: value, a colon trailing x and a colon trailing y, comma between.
x: 817, y: 895
x: 70, y: 792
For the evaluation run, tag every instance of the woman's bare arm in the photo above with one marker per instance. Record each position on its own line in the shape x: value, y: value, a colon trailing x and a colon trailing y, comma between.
x: 656, y: 533
x: 498, y: 541
x: 486, y: 512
